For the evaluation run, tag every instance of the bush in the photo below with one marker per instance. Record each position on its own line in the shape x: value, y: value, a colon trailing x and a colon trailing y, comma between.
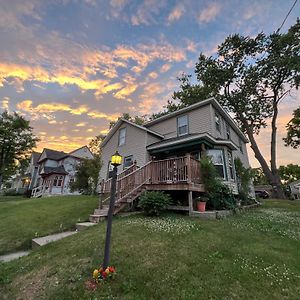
x: 219, y: 194
x: 152, y: 203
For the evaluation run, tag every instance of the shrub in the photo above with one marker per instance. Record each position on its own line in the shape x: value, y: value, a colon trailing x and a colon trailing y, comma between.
x: 152, y: 203
x: 219, y: 194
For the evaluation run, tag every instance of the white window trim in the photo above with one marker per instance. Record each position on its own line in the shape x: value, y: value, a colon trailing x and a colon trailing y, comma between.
x: 119, y: 140
x: 187, y: 125
x: 223, y: 164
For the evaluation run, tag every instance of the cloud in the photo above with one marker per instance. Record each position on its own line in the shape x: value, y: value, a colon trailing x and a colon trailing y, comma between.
x: 165, y: 68
x: 5, y: 103
x: 153, y: 75
x: 147, y: 12
x: 101, y: 115
x: 191, y: 46
x: 81, y: 124
x: 176, y: 13
x: 209, y: 13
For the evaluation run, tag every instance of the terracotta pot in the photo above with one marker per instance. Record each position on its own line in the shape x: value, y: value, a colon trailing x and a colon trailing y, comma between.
x: 201, y: 206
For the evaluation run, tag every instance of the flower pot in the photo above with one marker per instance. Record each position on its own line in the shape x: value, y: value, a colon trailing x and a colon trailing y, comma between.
x: 201, y: 206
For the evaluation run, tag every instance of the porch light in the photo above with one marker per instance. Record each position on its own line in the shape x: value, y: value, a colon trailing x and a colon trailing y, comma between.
x: 116, y: 159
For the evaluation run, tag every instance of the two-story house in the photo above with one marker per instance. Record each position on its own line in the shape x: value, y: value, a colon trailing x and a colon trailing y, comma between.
x: 56, y: 171
x: 167, y: 151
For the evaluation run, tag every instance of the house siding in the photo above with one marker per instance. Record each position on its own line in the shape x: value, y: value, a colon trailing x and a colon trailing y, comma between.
x: 135, y: 145
x: 199, y: 121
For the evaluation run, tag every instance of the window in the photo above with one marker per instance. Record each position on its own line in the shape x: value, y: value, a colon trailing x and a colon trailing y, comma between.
x: 182, y: 125
x: 110, y: 168
x: 217, y: 158
x: 230, y: 165
x: 218, y: 122
x: 58, y: 180
x: 241, y: 145
x: 227, y: 131
x: 122, y: 135
x: 128, y: 161
x: 55, y: 181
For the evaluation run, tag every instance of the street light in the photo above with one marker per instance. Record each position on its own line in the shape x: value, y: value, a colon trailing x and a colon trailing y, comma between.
x: 116, y: 160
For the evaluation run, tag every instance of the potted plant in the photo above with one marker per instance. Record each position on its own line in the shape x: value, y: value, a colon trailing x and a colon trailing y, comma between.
x: 201, y: 203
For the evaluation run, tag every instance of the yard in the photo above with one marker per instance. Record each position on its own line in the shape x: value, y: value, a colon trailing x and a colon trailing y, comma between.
x: 250, y: 256
x: 22, y: 219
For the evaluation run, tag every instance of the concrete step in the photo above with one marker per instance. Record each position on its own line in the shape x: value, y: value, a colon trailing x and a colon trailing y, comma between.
x: 12, y: 256
x: 98, y: 211
x: 97, y: 218
x: 42, y: 241
x: 84, y: 225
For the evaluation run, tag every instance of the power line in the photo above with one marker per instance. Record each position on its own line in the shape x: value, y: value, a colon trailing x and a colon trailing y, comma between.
x: 287, y: 16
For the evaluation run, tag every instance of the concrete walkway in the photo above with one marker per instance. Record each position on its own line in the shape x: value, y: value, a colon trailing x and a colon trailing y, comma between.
x: 12, y: 256
x: 42, y: 241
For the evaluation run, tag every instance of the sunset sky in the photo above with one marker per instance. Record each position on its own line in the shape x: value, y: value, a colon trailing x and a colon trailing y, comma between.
x: 72, y: 66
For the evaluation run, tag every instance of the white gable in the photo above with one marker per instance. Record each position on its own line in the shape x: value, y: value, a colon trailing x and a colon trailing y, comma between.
x: 83, y: 152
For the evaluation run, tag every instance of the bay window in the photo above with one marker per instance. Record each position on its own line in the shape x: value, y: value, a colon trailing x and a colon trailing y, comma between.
x: 217, y: 158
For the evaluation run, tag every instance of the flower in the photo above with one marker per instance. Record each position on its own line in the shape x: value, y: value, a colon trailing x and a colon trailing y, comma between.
x: 95, y: 274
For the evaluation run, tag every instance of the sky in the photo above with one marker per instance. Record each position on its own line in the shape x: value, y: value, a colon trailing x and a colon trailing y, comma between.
x: 72, y: 66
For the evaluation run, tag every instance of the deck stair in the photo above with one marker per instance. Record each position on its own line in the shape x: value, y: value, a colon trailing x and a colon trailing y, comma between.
x: 131, y: 183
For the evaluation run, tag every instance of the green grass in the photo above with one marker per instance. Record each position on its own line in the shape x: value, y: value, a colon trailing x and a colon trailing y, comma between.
x: 249, y: 256
x: 22, y: 219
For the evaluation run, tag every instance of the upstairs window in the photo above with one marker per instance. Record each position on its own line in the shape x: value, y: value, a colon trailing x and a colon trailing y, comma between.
x: 217, y: 158
x: 182, y: 125
x: 122, y: 135
x: 218, y: 122
x: 227, y: 131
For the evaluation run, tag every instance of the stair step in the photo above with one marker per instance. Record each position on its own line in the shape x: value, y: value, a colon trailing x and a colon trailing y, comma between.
x: 98, y: 211
x: 84, y: 225
x: 97, y: 218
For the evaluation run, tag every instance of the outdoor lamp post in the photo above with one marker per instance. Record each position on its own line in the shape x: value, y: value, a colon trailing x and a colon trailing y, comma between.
x: 116, y: 160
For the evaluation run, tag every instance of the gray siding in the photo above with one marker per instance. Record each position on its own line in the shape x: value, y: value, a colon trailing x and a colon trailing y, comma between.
x: 199, y: 122
x: 135, y: 145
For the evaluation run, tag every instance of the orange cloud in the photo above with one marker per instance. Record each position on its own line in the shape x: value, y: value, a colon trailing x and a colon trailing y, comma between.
x: 209, y: 13
x: 165, y: 68
x: 176, y: 13
x: 102, y: 115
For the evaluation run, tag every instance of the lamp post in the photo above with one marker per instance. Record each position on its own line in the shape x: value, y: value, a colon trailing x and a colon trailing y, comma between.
x: 116, y: 160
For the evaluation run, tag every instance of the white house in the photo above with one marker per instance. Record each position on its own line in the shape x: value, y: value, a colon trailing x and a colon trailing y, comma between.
x: 56, y: 170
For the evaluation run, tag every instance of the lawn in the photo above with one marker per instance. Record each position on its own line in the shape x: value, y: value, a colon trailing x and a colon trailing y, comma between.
x: 249, y: 256
x: 22, y: 219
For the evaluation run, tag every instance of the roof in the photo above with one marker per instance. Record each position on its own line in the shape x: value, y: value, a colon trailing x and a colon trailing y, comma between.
x: 190, y: 138
x: 76, y: 156
x: 118, y: 124
x: 211, y: 101
x: 53, y: 154
x: 35, y: 157
x: 54, y: 170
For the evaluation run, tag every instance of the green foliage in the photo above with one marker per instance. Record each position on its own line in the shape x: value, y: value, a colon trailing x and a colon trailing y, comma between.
x: 259, y: 177
x: 289, y: 173
x: 244, y: 177
x: 94, y: 144
x: 87, y: 175
x: 16, y: 142
x: 154, y: 202
x: 293, y: 130
x: 218, y: 194
x: 139, y: 120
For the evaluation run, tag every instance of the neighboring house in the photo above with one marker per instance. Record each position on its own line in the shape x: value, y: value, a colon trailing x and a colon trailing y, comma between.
x: 20, y: 183
x: 167, y: 150
x: 56, y: 170
x: 295, y: 189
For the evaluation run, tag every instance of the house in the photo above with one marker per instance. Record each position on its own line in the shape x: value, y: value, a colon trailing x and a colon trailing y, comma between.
x: 164, y: 154
x: 295, y: 189
x: 20, y: 183
x: 56, y: 170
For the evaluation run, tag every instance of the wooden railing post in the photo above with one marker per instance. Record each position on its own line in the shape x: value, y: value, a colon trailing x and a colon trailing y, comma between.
x: 189, y: 169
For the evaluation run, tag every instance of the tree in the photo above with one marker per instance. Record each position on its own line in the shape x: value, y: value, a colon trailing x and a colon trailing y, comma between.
x: 139, y: 120
x: 87, y: 172
x: 259, y: 177
x: 249, y: 77
x: 16, y: 142
x: 289, y: 173
x: 293, y: 130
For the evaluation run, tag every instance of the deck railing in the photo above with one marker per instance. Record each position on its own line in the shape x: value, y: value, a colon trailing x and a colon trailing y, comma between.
x: 167, y: 171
